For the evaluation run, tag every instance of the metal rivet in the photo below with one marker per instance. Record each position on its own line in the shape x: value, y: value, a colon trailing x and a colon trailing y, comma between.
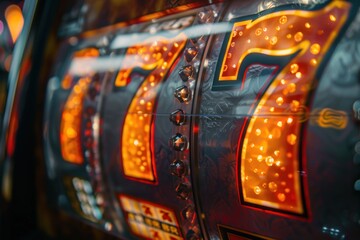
x: 178, y: 168
x: 179, y: 142
x: 186, y: 72
x: 178, y: 117
x: 183, y: 191
x: 183, y: 94
x: 190, y: 53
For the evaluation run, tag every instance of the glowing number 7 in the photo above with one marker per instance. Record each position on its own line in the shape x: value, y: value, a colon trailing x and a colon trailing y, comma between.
x: 296, y: 42
x: 153, y: 58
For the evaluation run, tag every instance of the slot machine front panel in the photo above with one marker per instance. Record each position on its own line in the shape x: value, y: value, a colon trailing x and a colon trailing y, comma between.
x: 214, y: 121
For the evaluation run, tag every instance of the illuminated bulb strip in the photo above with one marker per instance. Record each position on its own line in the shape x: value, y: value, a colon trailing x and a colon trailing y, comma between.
x: 270, y: 150
x: 70, y: 126
x: 70, y: 135
x: 156, y: 56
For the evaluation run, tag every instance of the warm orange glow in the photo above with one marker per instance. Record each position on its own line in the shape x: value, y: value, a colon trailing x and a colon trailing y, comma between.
x: 330, y: 118
x: 156, y: 56
x: 87, y: 52
x: 70, y: 127
x: 270, y: 163
x: 67, y: 81
x: 15, y: 21
x: 71, y: 123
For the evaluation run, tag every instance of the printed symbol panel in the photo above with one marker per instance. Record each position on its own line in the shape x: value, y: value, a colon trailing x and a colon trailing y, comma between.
x: 149, y: 220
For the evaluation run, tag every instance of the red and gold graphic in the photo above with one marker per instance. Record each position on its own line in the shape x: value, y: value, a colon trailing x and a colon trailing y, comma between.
x: 155, y: 57
x: 70, y: 127
x: 270, y: 162
x: 150, y: 221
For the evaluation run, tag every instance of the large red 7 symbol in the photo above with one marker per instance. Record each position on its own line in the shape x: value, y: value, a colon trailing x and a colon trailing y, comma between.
x: 155, y: 56
x: 269, y: 152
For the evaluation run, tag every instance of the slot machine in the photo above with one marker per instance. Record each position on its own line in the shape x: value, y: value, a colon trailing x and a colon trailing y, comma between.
x: 204, y: 119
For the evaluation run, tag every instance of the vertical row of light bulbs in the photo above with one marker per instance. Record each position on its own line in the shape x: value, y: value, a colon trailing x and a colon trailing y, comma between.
x: 179, y: 142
